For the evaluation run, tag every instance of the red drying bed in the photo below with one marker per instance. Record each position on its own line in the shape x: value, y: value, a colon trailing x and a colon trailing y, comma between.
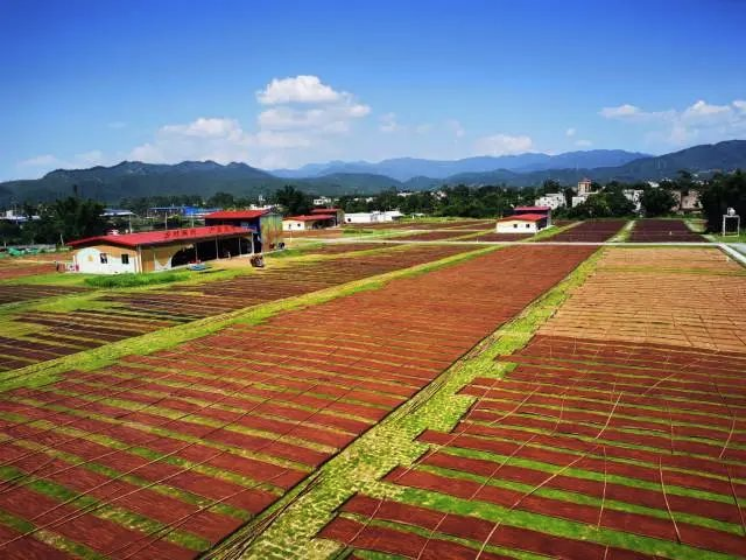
x: 663, y: 231
x: 591, y: 231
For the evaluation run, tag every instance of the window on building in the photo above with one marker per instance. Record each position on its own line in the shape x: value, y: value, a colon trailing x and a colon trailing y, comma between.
x: 528, y: 226
x: 516, y: 225
x: 125, y: 259
x: 104, y: 258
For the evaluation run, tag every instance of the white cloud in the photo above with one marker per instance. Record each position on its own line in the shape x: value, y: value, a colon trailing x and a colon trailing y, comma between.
x: 301, y: 89
x: 699, y: 123
x: 583, y: 143
x: 570, y: 132
x: 116, y: 125
x: 503, y: 144
x: 620, y: 112
x: 303, y: 114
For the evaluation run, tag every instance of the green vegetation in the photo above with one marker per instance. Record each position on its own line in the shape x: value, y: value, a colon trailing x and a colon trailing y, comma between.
x: 719, y: 194
x: 136, y: 280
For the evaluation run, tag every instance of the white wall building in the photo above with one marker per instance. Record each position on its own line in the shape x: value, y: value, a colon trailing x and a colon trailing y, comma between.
x: 524, y: 223
x: 551, y: 200
x: 322, y: 201
x: 373, y: 217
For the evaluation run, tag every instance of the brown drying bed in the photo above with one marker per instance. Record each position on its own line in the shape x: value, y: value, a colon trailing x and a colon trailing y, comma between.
x: 494, y: 236
x: 431, y: 236
x: 239, y: 417
x: 663, y: 231
x: 591, y: 231
x: 143, y: 312
x: 341, y: 248
x: 597, y: 429
x: 13, y: 293
x: 11, y: 268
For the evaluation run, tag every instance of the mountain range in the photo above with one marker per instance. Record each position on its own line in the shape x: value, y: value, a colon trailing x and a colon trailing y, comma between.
x: 136, y: 179
x: 404, y: 169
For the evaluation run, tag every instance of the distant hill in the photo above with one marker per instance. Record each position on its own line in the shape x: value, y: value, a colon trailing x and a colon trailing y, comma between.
x: 405, y: 169
x: 135, y: 179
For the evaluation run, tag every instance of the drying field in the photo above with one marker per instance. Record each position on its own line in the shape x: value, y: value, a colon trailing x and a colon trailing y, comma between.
x: 432, y: 236
x: 663, y: 231
x: 458, y: 224
x: 494, y: 236
x: 595, y: 231
x: 14, y: 293
x: 338, y: 249
x: 161, y: 456
x: 127, y: 315
x: 618, y: 434
x: 11, y: 268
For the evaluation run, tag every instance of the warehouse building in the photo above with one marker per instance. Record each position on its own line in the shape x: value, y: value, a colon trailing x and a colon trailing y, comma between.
x: 156, y: 251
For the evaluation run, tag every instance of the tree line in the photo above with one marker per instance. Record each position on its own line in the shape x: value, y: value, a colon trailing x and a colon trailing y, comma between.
x: 74, y: 217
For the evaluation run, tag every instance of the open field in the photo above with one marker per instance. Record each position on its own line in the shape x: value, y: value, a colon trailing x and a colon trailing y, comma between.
x: 520, y: 402
x: 161, y: 456
x: 113, y: 317
x: 591, y: 231
x: 623, y: 438
x: 652, y: 231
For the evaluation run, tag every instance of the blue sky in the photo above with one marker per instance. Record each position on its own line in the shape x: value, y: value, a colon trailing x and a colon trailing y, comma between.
x: 279, y: 84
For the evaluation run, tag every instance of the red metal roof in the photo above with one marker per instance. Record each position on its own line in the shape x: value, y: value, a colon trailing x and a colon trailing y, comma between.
x: 532, y: 209
x: 236, y: 214
x: 314, y: 218
x: 163, y: 237
x: 525, y: 218
x: 324, y: 210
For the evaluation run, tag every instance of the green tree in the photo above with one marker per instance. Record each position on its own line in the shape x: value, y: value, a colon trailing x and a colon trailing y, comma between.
x: 221, y: 200
x: 294, y: 201
x: 722, y: 192
x: 68, y: 219
x: 657, y: 202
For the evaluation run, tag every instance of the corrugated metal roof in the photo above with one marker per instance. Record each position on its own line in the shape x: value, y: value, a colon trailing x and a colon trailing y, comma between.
x: 314, y: 218
x: 532, y: 209
x: 236, y: 214
x: 163, y: 237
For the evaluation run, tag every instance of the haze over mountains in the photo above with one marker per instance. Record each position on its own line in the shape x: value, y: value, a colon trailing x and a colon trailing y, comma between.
x: 136, y: 179
x: 404, y: 169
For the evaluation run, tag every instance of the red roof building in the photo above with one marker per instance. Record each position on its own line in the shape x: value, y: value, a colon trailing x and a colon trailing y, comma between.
x: 522, y: 223
x: 305, y: 222
x: 155, y: 251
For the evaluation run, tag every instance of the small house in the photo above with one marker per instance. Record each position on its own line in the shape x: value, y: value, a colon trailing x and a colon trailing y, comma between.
x: 313, y: 221
x: 522, y: 223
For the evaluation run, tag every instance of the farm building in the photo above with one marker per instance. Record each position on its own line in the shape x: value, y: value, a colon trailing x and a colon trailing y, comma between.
x: 338, y: 213
x: 373, y: 217
x: 155, y: 251
x: 522, y: 223
x: 304, y: 223
x: 541, y: 210
x: 266, y: 225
